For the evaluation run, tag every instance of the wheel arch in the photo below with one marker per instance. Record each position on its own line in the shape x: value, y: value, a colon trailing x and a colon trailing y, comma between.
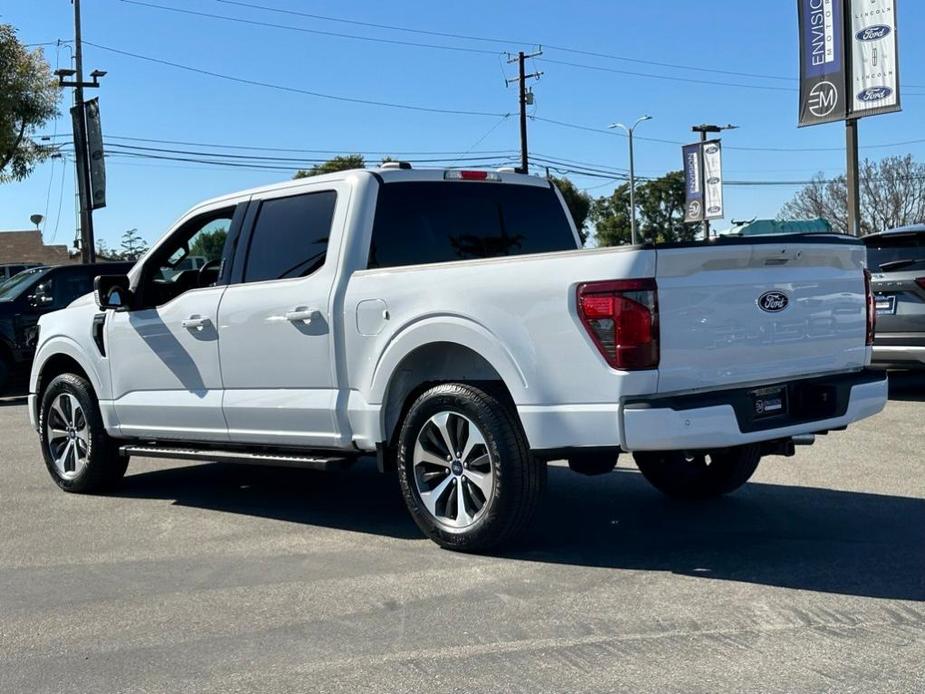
x: 442, y: 361
x: 55, y: 359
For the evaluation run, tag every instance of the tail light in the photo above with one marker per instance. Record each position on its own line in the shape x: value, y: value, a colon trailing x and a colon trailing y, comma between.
x: 920, y: 281
x: 871, y: 308
x: 622, y: 319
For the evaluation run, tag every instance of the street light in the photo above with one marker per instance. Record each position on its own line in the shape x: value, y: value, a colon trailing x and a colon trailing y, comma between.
x: 629, y: 132
x: 703, y: 129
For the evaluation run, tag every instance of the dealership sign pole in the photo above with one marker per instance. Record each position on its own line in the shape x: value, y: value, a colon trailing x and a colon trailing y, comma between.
x: 849, y: 69
x: 703, y: 178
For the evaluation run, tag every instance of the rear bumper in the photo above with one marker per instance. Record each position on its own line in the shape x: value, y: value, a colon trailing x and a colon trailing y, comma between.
x: 725, y: 418
x: 717, y: 419
x: 898, y: 355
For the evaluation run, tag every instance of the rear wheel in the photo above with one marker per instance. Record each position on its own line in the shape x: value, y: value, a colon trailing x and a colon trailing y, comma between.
x: 699, y: 474
x: 78, y: 453
x: 466, y: 472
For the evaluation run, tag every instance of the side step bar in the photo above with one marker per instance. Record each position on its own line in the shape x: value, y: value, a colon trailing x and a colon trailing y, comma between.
x: 211, y: 455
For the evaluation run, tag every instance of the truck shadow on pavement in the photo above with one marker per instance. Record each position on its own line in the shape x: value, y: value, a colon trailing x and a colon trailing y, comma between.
x: 907, y: 385
x: 793, y: 537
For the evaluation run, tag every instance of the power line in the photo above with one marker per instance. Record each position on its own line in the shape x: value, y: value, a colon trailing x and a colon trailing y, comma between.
x: 57, y: 42
x: 729, y: 147
x: 295, y: 90
x: 289, y: 27
x: 294, y: 149
x: 508, y: 42
x: 260, y: 158
x: 668, y: 77
x: 485, y: 136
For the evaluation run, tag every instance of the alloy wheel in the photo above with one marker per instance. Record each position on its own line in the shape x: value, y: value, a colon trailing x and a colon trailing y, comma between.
x: 454, y: 473
x: 68, y: 436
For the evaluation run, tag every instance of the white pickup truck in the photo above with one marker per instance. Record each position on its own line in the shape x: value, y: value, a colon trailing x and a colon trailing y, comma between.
x: 449, y: 322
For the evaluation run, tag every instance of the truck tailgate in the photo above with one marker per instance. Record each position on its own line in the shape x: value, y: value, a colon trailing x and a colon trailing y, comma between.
x: 740, y: 313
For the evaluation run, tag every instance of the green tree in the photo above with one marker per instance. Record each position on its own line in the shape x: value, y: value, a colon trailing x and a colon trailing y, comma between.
x: 209, y: 244
x: 339, y: 163
x: 28, y: 99
x: 578, y: 203
x: 659, y: 213
x: 133, y: 246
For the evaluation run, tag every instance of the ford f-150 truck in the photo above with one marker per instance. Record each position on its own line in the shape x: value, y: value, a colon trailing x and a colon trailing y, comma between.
x: 450, y: 323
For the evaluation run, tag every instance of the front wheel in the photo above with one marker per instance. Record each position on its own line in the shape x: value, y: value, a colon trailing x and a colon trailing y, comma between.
x: 78, y: 453
x: 465, y: 469
x: 699, y: 474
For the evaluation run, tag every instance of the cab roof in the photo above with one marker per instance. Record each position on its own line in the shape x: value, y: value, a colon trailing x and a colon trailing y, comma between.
x: 389, y: 175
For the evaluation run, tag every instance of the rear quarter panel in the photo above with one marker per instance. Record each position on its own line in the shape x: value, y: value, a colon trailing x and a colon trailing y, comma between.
x: 518, y: 313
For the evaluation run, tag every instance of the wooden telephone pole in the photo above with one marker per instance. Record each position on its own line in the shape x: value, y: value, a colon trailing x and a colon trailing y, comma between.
x: 525, y: 100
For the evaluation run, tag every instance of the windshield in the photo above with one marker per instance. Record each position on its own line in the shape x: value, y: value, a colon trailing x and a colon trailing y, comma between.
x: 896, y: 253
x: 17, y: 284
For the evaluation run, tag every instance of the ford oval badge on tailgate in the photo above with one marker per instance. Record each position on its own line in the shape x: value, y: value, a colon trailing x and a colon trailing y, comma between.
x: 773, y: 302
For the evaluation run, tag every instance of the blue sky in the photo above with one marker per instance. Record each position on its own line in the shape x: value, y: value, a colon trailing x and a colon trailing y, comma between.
x: 143, y: 99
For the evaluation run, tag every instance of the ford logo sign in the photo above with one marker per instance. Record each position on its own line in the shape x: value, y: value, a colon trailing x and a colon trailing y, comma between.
x: 712, y: 149
x: 875, y: 94
x: 873, y: 33
x: 713, y: 180
x: 773, y: 302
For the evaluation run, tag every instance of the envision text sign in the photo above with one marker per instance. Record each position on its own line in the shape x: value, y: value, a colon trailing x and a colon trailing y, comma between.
x: 848, y: 59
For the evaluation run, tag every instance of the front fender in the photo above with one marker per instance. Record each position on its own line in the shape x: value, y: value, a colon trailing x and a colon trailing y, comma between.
x: 62, y: 344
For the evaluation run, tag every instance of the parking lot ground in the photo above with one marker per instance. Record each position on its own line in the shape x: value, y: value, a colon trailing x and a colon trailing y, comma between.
x: 216, y: 578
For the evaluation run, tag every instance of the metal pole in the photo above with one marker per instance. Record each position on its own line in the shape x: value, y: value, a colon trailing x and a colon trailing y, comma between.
x: 87, y: 250
x: 522, y: 78
x: 854, y: 195
x: 703, y: 186
x: 632, y: 190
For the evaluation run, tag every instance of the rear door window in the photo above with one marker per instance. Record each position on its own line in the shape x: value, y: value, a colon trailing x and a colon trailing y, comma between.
x: 290, y: 236
x: 434, y: 222
x: 896, y: 253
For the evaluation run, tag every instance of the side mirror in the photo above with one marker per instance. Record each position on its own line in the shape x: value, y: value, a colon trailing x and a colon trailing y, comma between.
x: 112, y: 291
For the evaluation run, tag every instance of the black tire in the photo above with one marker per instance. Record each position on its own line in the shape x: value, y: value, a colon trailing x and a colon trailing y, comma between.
x: 102, y: 466
x: 592, y: 463
x: 518, y: 478
x: 699, y: 474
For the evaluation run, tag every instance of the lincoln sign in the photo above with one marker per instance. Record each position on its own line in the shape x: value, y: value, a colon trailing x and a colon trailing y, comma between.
x: 848, y: 59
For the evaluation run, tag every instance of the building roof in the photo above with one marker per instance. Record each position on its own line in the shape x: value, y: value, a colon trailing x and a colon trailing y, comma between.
x: 28, y: 247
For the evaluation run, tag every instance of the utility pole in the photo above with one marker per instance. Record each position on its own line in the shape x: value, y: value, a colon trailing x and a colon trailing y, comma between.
x: 854, y: 194
x: 629, y: 132
x: 526, y: 98
x: 81, y: 152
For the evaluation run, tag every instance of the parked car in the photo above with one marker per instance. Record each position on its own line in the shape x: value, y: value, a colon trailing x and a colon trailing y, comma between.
x: 897, y: 260
x: 9, y: 270
x: 33, y: 293
x: 450, y: 323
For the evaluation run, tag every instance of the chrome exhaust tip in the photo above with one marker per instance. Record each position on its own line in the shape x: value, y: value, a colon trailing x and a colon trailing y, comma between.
x: 804, y: 440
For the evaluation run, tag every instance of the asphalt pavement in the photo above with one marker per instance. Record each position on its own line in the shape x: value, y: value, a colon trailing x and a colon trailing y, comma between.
x: 216, y: 578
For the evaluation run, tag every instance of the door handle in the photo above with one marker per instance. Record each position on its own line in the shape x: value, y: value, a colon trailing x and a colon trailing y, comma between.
x: 195, y: 323
x: 300, y: 314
